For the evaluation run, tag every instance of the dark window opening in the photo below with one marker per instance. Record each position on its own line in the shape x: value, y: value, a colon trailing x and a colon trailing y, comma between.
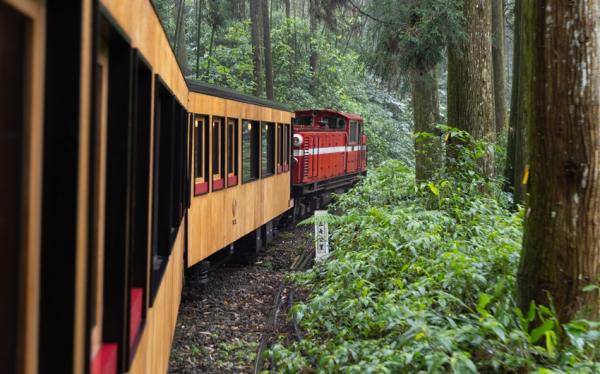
x: 287, y: 145
x: 303, y: 121
x: 268, y: 149
x: 218, y: 153
x: 170, y: 129
x: 353, y: 135
x: 250, y: 150
x: 140, y: 190
x: 13, y: 47
x: 232, y: 151
x: 119, y: 138
x: 201, y: 146
x: 280, y: 150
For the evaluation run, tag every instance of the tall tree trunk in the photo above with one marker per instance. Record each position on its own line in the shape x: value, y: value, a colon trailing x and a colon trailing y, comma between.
x: 257, y: 48
x: 561, y: 246
x: 266, y: 23
x: 470, y: 81
x: 314, y: 53
x: 425, y: 104
x: 521, y: 113
x: 199, y: 5
x: 499, y: 61
x: 210, y: 48
x: 180, y: 47
x: 509, y: 169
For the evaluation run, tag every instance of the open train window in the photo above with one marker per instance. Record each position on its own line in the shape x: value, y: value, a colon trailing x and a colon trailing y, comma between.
x: 139, y: 204
x: 280, y: 148
x: 353, y: 136
x: 287, y: 146
x: 218, y: 153
x: 250, y: 150
x: 201, y: 146
x: 268, y: 149
x: 232, y: 151
x: 13, y: 75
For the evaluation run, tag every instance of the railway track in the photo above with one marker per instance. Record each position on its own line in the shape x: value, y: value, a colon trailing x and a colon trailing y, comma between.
x: 302, y: 262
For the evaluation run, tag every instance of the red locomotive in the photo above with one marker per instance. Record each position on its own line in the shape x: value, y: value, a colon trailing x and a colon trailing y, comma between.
x: 330, y: 152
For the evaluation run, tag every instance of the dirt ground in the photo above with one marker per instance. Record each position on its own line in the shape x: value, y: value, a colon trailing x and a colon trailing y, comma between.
x: 219, y: 329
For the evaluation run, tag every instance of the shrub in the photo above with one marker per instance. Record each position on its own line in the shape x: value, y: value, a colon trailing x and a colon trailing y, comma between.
x: 421, y: 280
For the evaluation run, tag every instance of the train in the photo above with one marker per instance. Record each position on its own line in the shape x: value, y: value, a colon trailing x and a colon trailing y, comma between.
x: 119, y: 176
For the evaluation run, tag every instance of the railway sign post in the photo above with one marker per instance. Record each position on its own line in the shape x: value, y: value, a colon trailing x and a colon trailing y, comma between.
x: 321, y: 236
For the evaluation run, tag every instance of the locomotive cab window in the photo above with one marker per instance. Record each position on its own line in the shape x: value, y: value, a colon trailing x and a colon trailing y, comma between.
x: 353, y: 136
x: 250, y: 150
x: 218, y: 153
x: 232, y: 152
x: 268, y: 149
x: 200, y: 135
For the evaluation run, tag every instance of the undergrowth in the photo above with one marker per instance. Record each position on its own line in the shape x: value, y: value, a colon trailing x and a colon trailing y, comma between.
x: 421, y: 279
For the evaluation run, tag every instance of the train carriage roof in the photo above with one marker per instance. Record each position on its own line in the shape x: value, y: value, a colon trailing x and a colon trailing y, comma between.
x: 225, y: 93
x: 350, y: 116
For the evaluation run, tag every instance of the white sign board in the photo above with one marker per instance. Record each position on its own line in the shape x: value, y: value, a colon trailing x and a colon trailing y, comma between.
x: 321, y: 236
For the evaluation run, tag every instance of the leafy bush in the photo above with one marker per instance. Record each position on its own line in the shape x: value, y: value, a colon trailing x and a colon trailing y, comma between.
x: 421, y: 280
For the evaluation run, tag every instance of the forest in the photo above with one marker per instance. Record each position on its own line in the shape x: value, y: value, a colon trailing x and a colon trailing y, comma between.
x: 473, y: 245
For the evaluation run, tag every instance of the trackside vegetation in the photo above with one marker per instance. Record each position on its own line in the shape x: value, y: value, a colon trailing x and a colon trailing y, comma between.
x: 422, y: 279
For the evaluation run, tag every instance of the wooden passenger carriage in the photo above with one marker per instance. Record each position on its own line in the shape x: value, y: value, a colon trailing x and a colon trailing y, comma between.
x: 117, y: 175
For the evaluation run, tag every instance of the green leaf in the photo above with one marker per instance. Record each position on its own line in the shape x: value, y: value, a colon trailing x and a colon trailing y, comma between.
x: 538, y: 332
x: 433, y: 189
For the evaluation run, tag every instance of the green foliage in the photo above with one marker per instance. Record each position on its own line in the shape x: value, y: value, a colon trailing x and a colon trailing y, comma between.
x: 412, y: 35
x: 421, y: 280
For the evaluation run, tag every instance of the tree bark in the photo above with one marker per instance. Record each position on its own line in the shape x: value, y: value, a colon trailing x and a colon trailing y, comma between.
x: 561, y: 246
x: 499, y: 62
x: 257, y: 48
x: 266, y: 23
x: 314, y: 53
x: 180, y: 47
x: 199, y: 5
x: 470, y: 81
x: 425, y: 104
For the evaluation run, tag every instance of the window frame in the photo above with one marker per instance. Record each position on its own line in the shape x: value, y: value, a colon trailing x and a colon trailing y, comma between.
x: 232, y: 151
x: 287, y: 136
x: 268, y: 166
x: 217, y: 177
x: 254, y: 149
x: 353, y: 132
x: 279, y: 148
x: 201, y: 154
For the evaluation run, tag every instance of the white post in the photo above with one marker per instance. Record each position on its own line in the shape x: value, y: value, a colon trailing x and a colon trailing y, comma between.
x: 321, y: 236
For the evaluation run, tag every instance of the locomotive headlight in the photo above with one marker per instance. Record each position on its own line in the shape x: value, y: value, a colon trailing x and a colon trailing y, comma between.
x: 294, y: 161
x: 298, y: 140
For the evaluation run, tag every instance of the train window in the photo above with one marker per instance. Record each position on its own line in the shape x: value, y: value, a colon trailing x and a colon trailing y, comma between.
x: 279, y: 148
x: 287, y: 146
x: 13, y: 47
x: 169, y: 145
x: 250, y: 150
x: 201, y: 132
x: 140, y: 193
x: 218, y: 153
x: 353, y: 136
x: 303, y: 121
x: 268, y: 149
x: 232, y: 151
